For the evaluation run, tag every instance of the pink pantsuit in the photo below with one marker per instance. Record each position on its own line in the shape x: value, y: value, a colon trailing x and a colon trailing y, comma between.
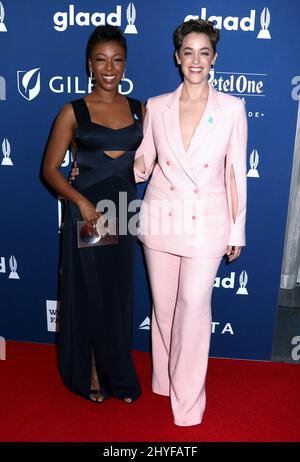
x: 186, y: 223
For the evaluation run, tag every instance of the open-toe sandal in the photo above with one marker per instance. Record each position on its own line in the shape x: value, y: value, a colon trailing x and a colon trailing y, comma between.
x: 96, y: 396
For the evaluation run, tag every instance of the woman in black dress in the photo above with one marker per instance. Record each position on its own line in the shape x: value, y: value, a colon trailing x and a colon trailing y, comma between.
x: 105, y: 129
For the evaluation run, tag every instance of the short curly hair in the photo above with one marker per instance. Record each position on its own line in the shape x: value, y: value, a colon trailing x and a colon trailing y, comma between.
x: 105, y: 33
x: 199, y: 26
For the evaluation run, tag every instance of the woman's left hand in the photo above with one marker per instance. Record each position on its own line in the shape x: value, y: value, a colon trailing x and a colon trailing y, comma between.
x: 233, y: 252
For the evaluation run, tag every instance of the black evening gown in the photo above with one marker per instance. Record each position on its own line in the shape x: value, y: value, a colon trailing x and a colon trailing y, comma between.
x: 97, y: 282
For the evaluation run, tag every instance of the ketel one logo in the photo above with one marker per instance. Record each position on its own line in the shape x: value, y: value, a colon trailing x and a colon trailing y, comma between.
x: 238, y: 83
x: 254, y: 160
x: 6, y: 153
x: 29, y: 83
x: 145, y: 325
x: 246, y: 23
x: 2, y: 14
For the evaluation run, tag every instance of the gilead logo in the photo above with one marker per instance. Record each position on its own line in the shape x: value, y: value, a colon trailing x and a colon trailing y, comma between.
x: 29, y: 83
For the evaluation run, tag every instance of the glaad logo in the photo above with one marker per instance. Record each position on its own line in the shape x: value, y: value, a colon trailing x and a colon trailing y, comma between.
x: 65, y: 19
x: 243, y: 282
x: 238, y: 83
x: 2, y: 89
x: 13, y: 268
x: 6, y: 153
x: 52, y: 309
x: 265, y: 19
x: 12, y: 265
x: 145, y: 325
x: 246, y: 24
x: 229, y: 282
x: 2, y: 14
x: 254, y: 160
x: 131, y: 16
x: 29, y: 83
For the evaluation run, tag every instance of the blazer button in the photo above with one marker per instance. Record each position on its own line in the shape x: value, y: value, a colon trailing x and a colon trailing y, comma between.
x: 194, y: 217
x: 196, y: 191
x: 172, y: 188
x: 205, y: 165
x: 168, y: 162
x: 170, y: 214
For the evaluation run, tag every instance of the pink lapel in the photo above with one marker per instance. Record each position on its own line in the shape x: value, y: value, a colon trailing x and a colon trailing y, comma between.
x: 173, y: 132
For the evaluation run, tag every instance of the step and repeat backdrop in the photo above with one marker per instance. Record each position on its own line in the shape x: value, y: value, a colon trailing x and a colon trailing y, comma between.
x: 42, y: 67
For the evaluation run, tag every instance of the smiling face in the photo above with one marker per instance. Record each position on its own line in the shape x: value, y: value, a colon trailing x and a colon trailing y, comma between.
x: 107, y: 63
x: 195, y: 57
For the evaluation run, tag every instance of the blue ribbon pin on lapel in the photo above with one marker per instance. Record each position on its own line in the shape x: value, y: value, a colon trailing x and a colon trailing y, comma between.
x: 210, y: 120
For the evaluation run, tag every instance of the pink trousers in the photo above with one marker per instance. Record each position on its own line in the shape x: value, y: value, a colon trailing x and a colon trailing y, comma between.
x: 181, y: 329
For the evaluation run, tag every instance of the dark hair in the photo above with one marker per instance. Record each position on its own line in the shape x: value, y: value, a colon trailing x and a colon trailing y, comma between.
x: 199, y: 26
x: 105, y: 33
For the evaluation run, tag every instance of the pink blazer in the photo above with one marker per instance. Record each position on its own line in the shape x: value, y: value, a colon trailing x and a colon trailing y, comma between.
x: 187, y: 208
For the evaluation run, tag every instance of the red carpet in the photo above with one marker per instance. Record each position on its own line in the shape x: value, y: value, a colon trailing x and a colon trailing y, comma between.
x: 246, y: 401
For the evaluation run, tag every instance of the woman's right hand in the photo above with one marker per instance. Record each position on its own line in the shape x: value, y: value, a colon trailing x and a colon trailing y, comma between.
x: 89, y: 213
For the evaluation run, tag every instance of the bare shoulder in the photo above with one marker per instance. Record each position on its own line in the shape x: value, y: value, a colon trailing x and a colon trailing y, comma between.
x: 67, y: 112
x: 66, y: 116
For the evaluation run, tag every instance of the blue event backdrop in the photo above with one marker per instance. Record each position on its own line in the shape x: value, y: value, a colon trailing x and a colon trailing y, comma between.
x: 43, y: 66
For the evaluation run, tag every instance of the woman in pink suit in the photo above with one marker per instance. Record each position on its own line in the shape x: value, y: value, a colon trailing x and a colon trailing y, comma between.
x: 192, y: 215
